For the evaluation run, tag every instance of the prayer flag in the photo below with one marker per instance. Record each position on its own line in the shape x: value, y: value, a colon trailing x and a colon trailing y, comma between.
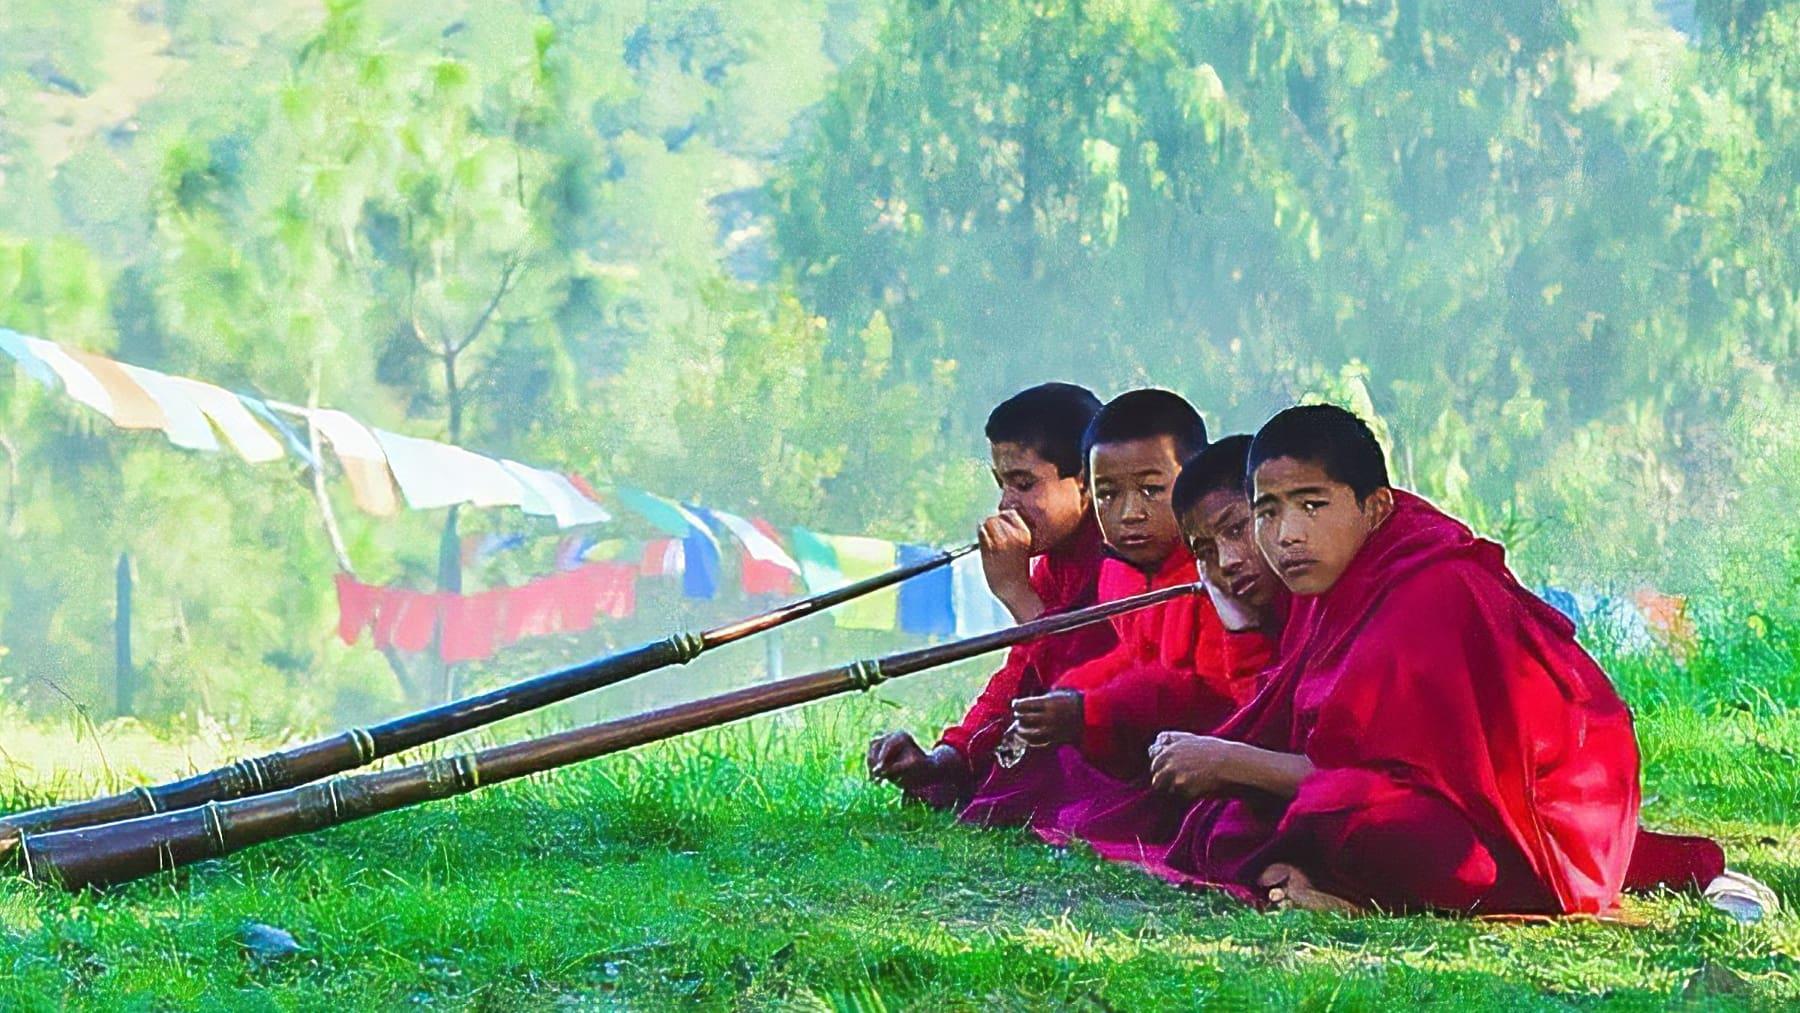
x: 759, y: 546
x: 860, y: 558
x: 132, y: 405
x: 925, y: 600
x: 15, y: 345
x: 573, y: 596
x: 479, y: 547
x: 365, y: 466
x: 531, y: 611
x: 357, y: 603
x: 406, y: 619
x: 977, y: 610
x: 759, y: 577
x: 76, y: 378
x: 663, y: 557
x: 233, y: 418
x: 572, y: 550
x: 298, y: 445
x: 700, y: 574
x: 818, y: 562
x: 548, y: 494
x: 616, y: 585
x: 432, y: 474
x: 471, y: 626
x: 665, y: 515
x: 185, y: 424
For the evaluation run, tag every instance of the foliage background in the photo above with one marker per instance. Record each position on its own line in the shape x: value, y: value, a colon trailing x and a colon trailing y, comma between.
x: 783, y: 255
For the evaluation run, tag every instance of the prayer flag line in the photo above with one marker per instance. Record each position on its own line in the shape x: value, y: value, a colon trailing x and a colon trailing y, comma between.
x: 386, y: 471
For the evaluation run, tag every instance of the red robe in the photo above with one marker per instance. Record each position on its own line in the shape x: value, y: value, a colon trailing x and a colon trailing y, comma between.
x: 1173, y: 669
x: 1169, y: 669
x: 1064, y: 580
x: 1470, y: 755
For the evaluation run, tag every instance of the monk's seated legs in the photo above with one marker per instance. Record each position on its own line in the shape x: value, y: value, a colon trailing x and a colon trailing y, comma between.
x: 1405, y: 852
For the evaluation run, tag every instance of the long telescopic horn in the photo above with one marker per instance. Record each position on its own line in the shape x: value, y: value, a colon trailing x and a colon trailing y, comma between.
x: 360, y: 746
x: 121, y: 852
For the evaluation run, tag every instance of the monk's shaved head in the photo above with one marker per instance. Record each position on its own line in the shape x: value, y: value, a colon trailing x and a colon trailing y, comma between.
x: 1221, y: 467
x: 1146, y: 414
x: 1049, y: 420
x: 1332, y: 438
x: 1318, y: 488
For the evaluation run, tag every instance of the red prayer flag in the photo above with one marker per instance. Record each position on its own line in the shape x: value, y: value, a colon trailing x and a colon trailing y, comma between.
x: 356, y: 607
x: 581, y: 486
x: 470, y: 625
x: 387, y: 615
x: 617, y: 584
x: 475, y: 626
x: 417, y: 621
x: 663, y: 557
x: 572, y: 597
x: 760, y: 577
x: 530, y: 612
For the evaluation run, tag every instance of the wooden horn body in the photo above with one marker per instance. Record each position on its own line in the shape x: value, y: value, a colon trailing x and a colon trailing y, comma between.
x: 134, y: 848
x: 359, y: 747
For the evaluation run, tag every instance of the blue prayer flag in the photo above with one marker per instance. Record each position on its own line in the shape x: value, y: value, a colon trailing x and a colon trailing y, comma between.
x: 925, y: 600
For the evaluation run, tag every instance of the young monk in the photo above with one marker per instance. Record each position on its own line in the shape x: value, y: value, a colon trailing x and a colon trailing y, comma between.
x: 1113, y: 706
x: 1040, y: 552
x: 1215, y: 518
x: 1432, y: 738
x: 1183, y: 665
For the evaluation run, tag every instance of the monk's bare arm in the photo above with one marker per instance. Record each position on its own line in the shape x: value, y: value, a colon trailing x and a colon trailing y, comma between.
x: 1195, y: 765
x: 1022, y: 603
x: 1267, y: 770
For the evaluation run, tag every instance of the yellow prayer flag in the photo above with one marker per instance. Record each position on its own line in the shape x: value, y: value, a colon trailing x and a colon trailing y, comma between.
x: 859, y: 558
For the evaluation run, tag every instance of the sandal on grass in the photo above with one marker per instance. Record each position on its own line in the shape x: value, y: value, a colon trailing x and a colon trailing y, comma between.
x: 1743, y: 898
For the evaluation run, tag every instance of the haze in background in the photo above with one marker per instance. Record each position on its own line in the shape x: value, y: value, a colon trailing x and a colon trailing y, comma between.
x: 783, y: 256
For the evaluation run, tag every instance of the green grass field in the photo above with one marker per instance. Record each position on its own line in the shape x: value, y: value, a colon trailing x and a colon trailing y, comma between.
x: 753, y: 867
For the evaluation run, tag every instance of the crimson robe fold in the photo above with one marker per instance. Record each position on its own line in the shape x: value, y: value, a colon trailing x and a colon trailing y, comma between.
x: 1469, y: 755
x: 1064, y: 581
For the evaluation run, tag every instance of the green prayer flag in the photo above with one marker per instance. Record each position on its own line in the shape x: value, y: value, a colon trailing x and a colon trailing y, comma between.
x: 665, y: 515
x: 662, y: 514
x: 818, y: 562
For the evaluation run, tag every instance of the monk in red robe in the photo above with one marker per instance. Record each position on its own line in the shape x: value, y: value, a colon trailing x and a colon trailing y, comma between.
x: 1169, y: 662
x: 1249, y: 599
x: 1186, y: 664
x: 1040, y: 552
x: 1432, y: 738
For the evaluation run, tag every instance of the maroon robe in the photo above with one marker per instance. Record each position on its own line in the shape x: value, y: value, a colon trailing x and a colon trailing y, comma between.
x: 1064, y: 580
x: 1469, y: 755
x: 1175, y: 667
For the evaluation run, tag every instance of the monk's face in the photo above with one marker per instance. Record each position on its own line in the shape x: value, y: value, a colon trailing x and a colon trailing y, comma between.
x: 1310, y: 526
x: 1053, y: 506
x: 1130, y: 481
x: 1222, y: 535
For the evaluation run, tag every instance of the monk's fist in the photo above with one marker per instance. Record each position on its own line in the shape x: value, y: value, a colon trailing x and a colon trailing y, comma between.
x: 1005, y: 542
x: 1054, y: 719
x: 896, y: 757
x: 1189, y: 766
x: 1236, y: 614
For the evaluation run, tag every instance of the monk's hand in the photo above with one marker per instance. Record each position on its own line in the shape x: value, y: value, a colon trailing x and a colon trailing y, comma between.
x: 1189, y: 766
x: 897, y: 757
x: 1005, y: 543
x: 1234, y: 613
x: 1054, y: 719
